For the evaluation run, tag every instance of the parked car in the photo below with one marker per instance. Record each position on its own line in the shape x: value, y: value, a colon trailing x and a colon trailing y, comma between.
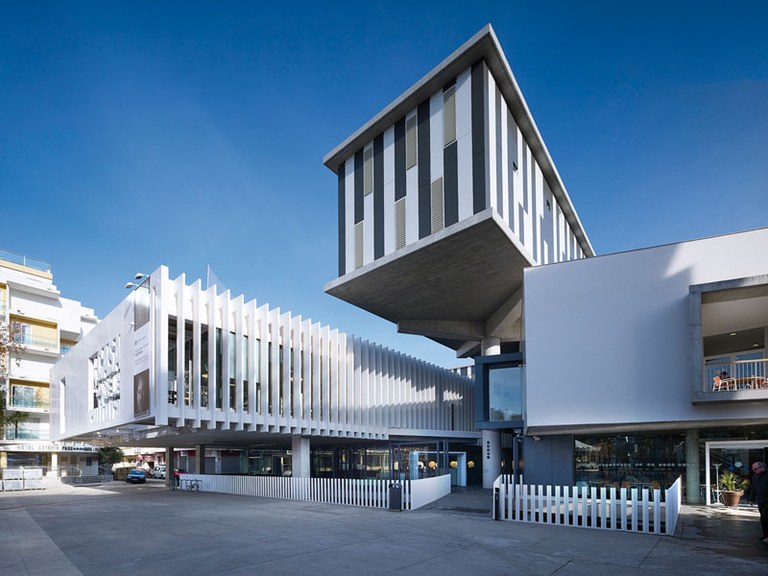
x: 136, y: 476
x: 159, y: 472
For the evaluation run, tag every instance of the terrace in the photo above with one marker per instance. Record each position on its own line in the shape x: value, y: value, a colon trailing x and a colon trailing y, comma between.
x: 729, y: 324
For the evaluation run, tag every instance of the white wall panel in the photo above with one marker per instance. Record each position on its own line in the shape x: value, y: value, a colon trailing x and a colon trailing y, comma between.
x: 436, y: 136
x: 464, y: 142
x: 349, y: 214
x: 389, y: 191
x: 490, y: 142
x: 635, y: 305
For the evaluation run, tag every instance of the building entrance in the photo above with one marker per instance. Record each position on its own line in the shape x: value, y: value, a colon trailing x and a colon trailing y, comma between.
x: 734, y: 456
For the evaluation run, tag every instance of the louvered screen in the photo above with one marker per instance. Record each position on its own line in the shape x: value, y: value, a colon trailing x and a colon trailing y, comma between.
x: 438, y: 206
x: 449, y: 115
x: 358, y: 245
x: 400, y: 223
x: 368, y: 171
x: 411, y: 142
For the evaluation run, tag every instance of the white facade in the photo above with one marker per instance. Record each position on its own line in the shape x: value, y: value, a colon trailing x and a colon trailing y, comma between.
x: 609, y: 339
x: 47, y: 326
x: 249, y: 371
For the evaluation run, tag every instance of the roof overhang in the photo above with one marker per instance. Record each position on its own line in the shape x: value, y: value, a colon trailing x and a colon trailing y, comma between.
x: 444, y: 276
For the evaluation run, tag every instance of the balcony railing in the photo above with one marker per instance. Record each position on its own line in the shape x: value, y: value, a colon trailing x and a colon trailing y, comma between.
x: 26, y: 261
x: 37, y: 341
x: 30, y: 403
x: 28, y: 431
x: 26, y: 397
x: 739, y: 375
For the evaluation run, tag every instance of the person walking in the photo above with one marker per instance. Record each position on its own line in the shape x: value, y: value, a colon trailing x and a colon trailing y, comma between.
x: 759, y: 495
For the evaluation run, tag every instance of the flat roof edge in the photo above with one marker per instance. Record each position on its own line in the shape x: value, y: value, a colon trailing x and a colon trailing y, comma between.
x: 483, y: 45
x: 476, y: 46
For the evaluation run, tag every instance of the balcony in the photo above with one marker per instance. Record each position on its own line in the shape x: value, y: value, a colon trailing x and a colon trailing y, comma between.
x: 738, y: 380
x: 28, y: 431
x: 738, y: 375
x: 29, y: 398
x: 38, y: 343
x: 729, y: 340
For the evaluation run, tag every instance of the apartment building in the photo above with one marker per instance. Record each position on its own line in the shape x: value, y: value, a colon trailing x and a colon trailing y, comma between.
x: 47, y: 326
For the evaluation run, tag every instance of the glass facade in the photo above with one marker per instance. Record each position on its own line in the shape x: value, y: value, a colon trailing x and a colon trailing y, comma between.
x: 629, y: 461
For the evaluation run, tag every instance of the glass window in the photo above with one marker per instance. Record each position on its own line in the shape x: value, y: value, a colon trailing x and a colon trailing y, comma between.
x: 505, y: 393
x: 632, y: 461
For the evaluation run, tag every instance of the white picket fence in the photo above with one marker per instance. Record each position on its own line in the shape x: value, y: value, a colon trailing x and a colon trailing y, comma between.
x: 349, y: 492
x: 627, y: 509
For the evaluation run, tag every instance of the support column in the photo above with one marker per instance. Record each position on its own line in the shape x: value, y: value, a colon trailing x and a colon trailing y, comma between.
x: 491, y: 457
x: 490, y: 346
x: 200, y: 459
x: 54, y: 464
x: 300, y: 457
x: 3, y: 460
x: 170, y: 466
x: 491, y: 439
x: 692, y: 482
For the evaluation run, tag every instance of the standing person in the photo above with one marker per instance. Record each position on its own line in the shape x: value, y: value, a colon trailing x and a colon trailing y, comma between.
x: 759, y: 495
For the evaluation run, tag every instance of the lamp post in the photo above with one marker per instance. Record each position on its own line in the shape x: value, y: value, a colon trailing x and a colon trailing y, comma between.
x: 140, y: 277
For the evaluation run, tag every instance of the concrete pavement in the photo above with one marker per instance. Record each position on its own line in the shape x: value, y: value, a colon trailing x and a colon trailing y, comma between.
x: 120, y: 529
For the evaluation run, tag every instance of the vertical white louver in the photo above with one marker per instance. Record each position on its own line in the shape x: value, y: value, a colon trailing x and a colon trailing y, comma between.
x: 368, y: 171
x: 411, y: 142
x: 438, y: 205
x: 358, y: 245
x: 449, y: 115
x: 400, y: 223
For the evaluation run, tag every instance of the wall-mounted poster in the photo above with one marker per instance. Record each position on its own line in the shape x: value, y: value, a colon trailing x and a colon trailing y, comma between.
x: 141, y: 394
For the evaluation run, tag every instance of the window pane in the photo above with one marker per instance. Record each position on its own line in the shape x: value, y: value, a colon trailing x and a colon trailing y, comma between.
x: 505, y: 393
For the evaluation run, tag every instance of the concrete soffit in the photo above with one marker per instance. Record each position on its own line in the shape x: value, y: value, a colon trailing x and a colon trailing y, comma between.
x: 505, y: 323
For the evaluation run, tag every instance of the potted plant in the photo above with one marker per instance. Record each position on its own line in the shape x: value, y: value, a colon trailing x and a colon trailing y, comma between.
x: 732, y: 488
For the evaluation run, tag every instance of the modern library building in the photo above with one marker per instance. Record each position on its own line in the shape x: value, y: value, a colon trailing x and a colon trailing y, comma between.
x: 629, y: 369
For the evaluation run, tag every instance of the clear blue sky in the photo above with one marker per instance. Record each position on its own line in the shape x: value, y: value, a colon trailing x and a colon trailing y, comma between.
x: 134, y: 134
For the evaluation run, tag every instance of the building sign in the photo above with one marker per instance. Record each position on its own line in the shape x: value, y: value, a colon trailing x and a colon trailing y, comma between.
x: 105, y: 368
x: 49, y: 447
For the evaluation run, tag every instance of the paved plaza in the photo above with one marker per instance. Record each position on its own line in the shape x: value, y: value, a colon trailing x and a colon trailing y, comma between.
x: 117, y: 529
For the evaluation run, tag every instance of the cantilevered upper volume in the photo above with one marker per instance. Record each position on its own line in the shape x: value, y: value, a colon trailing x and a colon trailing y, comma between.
x: 444, y: 197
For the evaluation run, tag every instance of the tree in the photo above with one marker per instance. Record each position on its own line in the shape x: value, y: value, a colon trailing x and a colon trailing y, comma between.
x: 11, y: 349
x: 109, y: 455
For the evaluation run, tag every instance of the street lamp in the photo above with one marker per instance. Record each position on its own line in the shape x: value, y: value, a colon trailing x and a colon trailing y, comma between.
x: 138, y: 276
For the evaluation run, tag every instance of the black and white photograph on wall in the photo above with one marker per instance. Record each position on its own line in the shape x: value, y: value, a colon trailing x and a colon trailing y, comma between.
x: 141, y: 394
x: 141, y: 305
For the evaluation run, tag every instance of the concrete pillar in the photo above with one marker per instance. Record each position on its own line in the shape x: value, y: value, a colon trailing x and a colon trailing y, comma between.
x: 491, y: 457
x: 200, y: 459
x: 490, y: 346
x: 3, y: 459
x: 300, y: 457
x: 692, y: 482
x: 170, y: 465
x: 54, y: 464
x: 491, y: 438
